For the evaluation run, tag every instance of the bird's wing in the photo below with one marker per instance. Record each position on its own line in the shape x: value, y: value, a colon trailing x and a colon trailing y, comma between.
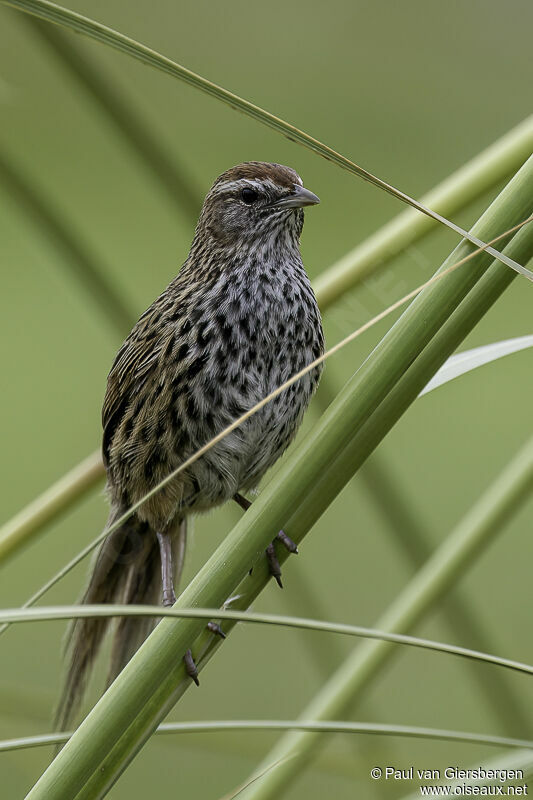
x: 134, y: 365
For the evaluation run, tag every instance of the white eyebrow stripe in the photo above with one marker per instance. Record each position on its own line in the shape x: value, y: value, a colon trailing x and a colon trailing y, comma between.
x: 260, y: 184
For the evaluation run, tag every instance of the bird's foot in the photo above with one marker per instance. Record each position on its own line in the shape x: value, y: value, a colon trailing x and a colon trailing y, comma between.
x: 190, y: 667
x: 169, y: 597
x: 215, y: 628
x: 273, y: 562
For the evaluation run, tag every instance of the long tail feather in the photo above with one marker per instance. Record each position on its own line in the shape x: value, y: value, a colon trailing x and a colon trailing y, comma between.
x: 144, y: 586
x: 127, y: 569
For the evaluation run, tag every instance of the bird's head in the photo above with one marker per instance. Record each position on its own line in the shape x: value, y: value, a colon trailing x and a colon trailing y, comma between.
x: 255, y: 201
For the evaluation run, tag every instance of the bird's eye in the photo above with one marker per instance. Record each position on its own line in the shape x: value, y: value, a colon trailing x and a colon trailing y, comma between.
x: 249, y: 196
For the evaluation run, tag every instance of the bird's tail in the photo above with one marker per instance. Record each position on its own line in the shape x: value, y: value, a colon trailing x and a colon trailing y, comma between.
x: 127, y: 569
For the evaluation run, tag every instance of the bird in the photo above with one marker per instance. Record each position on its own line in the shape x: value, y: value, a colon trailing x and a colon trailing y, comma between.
x: 238, y: 320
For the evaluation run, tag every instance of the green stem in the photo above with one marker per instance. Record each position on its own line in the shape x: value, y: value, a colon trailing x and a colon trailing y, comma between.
x: 388, y: 381
x: 48, y: 506
x: 47, y: 614
x: 319, y: 726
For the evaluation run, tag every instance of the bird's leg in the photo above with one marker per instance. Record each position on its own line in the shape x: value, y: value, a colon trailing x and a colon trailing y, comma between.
x: 169, y: 595
x: 190, y: 667
x: 242, y: 501
x: 282, y: 536
x: 287, y: 542
x: 169, y: 598
x: 167, y: 572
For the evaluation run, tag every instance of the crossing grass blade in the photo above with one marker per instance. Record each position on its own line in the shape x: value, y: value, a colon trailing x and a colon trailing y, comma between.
x: 47, y: 614
x: 319, y: 726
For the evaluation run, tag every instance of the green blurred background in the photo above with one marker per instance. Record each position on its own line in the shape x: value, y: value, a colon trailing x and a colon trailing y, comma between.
x: 408, y: 90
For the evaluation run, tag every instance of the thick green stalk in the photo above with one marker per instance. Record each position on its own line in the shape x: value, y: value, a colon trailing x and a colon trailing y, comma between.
x: 440, y: 572
x: 101, y: 33
x: 142, y: 695
x: 49, y: 505
x: 461, y: 188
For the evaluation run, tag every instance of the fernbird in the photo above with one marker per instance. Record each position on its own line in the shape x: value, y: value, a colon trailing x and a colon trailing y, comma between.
x: 239, y: 319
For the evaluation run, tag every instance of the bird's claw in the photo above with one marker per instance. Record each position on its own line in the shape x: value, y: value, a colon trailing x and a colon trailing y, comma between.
x: 287, y: 542
x: 273, y: 564
x: 215, y: 628
x: 190, y: 667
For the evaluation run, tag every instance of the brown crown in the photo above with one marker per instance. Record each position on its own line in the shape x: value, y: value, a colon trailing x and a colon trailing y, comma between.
x: 260, y: 170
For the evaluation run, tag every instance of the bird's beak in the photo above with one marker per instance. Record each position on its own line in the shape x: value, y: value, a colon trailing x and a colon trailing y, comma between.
x: 298, y: 198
